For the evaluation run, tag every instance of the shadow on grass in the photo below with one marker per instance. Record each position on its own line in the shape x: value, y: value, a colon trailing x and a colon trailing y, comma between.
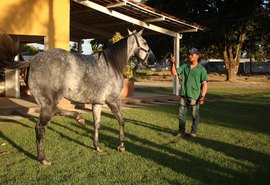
x: 15, y: 145
x: 141, y: 123
x: 191, y: 166
x: 236, y: 152
x: 174, y: 159
x: 238, y: 114
x: 247, y: 112
x: 187, y: 164
x: 34, y: 120
x: 62, y: 134
x: 16, y: 122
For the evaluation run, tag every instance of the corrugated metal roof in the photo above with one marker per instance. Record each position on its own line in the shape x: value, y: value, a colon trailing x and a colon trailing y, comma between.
x: 92, y: 19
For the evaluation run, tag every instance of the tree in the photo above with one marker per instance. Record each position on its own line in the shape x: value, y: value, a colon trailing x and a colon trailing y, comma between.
x: 26, y: 49
x: 257, y: 46
x: 230, y: 23
x: 99, y: 44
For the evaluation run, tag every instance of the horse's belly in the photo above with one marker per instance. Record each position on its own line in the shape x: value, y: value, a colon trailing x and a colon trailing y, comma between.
x: 90, y: 97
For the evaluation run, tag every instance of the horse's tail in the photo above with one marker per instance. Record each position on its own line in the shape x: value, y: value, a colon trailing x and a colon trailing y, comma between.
x: 8, y: 50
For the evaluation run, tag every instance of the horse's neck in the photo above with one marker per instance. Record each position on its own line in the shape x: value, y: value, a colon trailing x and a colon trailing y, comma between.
x: 121, y: 60
x: 116, y: 58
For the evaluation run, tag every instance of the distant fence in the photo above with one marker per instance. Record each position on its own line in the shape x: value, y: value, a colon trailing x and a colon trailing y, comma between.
x: 254, y: 67
x: 244, y: 67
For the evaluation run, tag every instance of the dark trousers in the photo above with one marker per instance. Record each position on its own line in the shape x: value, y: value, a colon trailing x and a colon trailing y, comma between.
x: 184, y: 104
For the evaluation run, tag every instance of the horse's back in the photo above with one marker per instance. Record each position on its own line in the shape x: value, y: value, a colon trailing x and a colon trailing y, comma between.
x: 49, y: 67
x: 58, y: 73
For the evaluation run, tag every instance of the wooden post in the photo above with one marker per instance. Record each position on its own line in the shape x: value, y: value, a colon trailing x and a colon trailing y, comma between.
x: 177, y: 62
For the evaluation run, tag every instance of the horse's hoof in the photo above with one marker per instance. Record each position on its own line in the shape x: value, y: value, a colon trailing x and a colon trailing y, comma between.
x: 81, y: 122
x: 121, y: 149
x: 98, y: 149
x: 46, y: 163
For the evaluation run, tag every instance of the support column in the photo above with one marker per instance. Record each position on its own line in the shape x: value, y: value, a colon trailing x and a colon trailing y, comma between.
x: 46, y: 43
x: 80, y: 42
x: 12, y: 82
x: 177, y: 62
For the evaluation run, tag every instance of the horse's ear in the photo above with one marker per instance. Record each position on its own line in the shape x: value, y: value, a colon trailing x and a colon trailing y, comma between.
x: 129, y: 32
x: 140, y: 33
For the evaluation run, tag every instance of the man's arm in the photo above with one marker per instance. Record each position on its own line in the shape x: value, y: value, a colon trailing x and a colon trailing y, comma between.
x: 203, y: 92
x: 204, y: 88
x: 173, y: 68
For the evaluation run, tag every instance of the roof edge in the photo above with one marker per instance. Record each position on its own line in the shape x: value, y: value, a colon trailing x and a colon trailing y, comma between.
x: 167, y: 16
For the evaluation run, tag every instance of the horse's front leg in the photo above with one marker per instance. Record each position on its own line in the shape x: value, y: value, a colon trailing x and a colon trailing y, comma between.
x: 96, y: 116
x: 115, y: 108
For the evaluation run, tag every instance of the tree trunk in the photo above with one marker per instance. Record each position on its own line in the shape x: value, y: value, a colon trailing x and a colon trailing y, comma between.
x: 232, y: 72
x: 231, y: 62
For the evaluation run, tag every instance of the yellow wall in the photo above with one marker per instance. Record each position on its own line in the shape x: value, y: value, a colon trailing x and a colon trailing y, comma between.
x: 48, y: 18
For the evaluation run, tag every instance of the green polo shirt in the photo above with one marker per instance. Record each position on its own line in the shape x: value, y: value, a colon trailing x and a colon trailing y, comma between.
x: 192, y: 80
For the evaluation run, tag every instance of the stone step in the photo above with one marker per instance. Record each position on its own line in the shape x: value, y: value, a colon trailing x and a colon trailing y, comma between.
x: 9, y: 106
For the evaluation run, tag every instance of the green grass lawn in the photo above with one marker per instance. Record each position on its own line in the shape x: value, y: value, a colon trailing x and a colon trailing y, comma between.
x: 232, y: 147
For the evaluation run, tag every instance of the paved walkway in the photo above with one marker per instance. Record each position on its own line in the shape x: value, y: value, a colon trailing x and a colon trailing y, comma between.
x: 10, y: 108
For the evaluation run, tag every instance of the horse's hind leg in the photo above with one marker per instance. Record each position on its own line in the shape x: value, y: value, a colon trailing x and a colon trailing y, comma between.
x: 72, y: 114
x: 115, y: 108
x: 96, y: 116
x: 44, y: 119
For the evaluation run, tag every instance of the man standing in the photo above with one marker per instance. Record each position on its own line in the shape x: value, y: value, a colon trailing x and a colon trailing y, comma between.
x: 193, y: 90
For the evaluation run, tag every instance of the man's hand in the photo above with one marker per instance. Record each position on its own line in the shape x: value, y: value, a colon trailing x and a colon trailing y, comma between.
x: 201, y: 100
x: 172, y: 59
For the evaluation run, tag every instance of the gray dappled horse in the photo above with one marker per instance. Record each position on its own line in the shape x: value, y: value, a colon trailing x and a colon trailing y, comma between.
x: 96, y: 79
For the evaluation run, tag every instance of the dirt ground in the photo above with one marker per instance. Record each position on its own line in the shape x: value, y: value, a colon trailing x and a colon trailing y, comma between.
x: 251, y: 81
x: 219, y: 80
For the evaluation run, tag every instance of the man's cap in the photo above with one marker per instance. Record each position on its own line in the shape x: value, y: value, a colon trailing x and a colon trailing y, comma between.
x: 194, y: 51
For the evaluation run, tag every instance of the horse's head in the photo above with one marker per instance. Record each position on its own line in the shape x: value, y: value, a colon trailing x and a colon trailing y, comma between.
x: 139, y: 47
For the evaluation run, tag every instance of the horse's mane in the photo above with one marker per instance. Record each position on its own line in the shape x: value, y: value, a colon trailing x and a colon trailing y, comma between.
x: 116, y: 55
